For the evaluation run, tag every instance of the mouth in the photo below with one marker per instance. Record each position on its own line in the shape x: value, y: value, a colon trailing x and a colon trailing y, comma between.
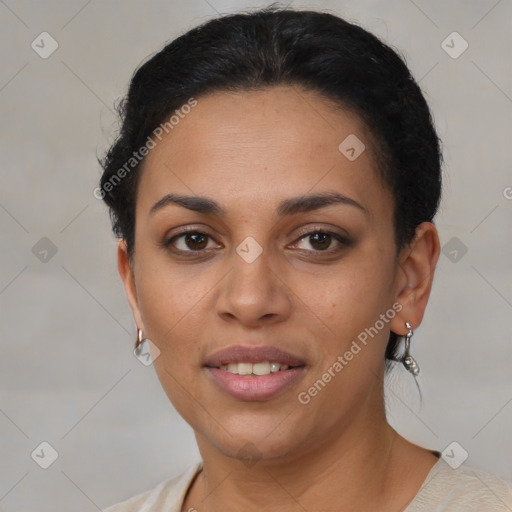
x: 254, y: 373
x: 259, y: 369
x: 262, y: 360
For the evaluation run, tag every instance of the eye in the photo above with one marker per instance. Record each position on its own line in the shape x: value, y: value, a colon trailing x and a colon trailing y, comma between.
x: 321, y: 240
x: 191, y: 241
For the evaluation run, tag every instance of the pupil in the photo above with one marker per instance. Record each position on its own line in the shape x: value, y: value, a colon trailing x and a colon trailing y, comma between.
x: 323, y: 238
x: 195, y: 240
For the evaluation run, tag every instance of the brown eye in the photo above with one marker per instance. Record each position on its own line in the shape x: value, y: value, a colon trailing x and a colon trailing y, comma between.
x: 321, y: 240
x: 196, y: 241
x: 190, y: 241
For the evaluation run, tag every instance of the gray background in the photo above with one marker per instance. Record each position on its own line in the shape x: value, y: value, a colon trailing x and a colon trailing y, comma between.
x: 67, y: 372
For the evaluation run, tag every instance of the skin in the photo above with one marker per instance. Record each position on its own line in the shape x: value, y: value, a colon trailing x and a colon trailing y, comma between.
x: 338, y: 451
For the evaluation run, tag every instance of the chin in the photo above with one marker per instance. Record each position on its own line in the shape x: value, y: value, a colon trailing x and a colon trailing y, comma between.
x: 250, y: 437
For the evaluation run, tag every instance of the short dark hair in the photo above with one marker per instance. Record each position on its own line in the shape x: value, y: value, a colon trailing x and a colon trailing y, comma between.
x: 314, y: 50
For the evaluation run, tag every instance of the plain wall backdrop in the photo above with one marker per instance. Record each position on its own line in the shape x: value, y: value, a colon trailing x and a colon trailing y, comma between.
x: 68, y: 375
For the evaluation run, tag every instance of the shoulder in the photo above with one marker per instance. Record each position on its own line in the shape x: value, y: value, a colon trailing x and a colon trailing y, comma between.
x: 462, y: 489
x: 166, y: 496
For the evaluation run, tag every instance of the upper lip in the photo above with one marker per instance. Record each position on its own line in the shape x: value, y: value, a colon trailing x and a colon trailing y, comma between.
x: 244, y: 354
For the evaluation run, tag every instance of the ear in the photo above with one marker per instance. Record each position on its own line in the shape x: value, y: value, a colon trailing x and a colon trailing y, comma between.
x: 415, y: 276
x: 126, y: 272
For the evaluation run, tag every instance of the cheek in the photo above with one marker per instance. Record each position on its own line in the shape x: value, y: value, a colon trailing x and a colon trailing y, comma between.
x: 350, y: 296
x: 167, y: 293
x: 171, y: 311
x: 169, y: 307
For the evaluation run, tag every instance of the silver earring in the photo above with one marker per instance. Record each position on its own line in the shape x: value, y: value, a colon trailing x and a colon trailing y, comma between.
x: 140, y: 339
x: 407, y: 360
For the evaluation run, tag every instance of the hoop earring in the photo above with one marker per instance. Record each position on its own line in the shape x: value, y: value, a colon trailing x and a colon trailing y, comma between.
x: 140, y: 339
x: 407, y: 360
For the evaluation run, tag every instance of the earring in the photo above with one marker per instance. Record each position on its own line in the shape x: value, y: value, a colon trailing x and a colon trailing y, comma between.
x: 407, y: 360
x: 140, y: 339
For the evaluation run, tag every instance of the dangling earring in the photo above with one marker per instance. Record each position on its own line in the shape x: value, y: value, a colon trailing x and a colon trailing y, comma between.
x: 407, y: 360
x: 140, y: 339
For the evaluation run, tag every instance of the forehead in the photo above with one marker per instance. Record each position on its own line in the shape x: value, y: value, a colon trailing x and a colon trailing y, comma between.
x: 258, y: 145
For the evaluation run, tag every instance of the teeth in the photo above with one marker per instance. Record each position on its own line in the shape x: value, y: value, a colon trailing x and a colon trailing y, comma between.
x: 262, y: 368
x: 274, y: 367
x: 244, y: 368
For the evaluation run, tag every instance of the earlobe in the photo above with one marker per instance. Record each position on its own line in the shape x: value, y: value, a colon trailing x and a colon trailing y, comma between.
x: 127, y: 274
x: 414, y: 280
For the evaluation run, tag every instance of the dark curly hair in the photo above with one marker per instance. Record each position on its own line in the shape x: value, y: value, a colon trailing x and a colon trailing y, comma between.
x: 314, y: 50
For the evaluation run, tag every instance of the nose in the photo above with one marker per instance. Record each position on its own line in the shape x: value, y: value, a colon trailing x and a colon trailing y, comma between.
x: 252, y: 293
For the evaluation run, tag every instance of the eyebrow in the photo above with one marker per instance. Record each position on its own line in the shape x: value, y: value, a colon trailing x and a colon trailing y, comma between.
x: 289, y: 206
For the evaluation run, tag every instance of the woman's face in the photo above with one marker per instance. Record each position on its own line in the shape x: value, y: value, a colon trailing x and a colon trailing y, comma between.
x: 267, y: 270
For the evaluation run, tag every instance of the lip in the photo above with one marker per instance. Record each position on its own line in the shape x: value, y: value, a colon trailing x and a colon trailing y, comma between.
x: 254, y: 388
x: 244, y: 354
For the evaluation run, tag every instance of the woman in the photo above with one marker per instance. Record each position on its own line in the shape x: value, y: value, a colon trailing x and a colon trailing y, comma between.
x: 273, y: 188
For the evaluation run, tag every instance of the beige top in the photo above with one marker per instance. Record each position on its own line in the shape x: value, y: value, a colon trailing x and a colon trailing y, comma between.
x: 445, y: 489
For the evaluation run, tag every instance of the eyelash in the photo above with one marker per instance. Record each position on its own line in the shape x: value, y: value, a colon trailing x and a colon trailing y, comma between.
x: 343, y: 241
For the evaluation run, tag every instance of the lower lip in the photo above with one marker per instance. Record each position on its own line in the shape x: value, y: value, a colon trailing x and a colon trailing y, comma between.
x: 255, y: 388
